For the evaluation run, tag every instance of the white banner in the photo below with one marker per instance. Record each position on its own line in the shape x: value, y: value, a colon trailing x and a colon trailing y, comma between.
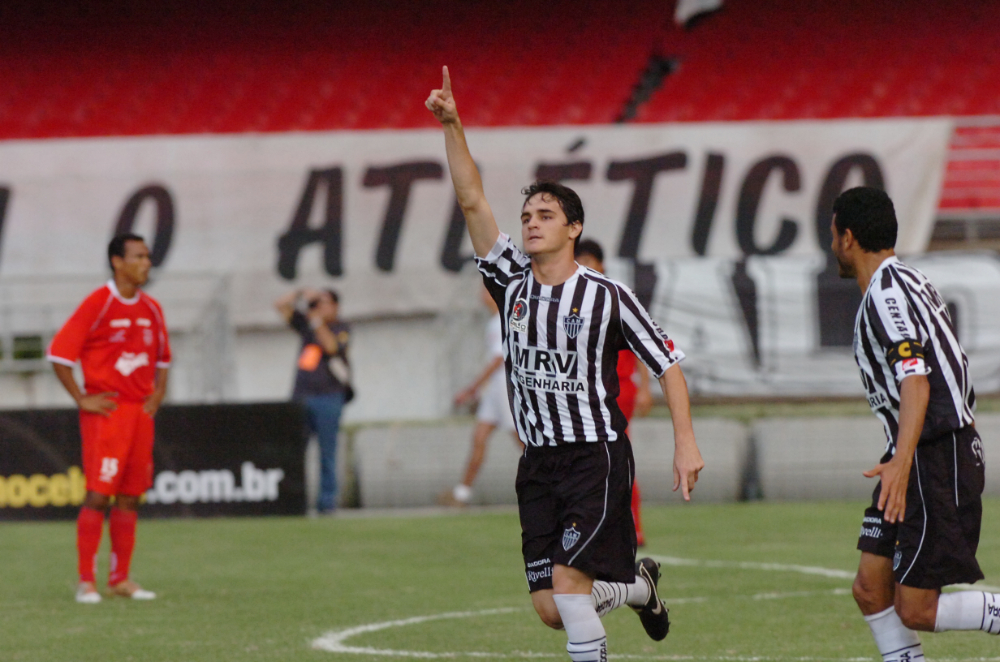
x: 373, y: 212
x: 724, y: 227
x: 778, y: 327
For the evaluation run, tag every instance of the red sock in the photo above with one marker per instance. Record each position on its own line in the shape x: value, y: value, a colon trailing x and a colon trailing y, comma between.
x: 637, y: 514
x: 122, y: 543
x: 89, y: 525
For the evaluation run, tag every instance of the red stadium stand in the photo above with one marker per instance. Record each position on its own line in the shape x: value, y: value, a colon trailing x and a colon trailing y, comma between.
x: 123, y: 68
x: 797, y: 60
x: 114, y: 67
x: 972, y: 180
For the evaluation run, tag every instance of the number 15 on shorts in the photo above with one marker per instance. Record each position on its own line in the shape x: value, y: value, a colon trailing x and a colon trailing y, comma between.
x: 109, y: 469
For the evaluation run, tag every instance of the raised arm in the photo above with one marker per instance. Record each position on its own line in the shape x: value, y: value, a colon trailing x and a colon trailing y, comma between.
x: 285, y: 304
x: 464, y: 174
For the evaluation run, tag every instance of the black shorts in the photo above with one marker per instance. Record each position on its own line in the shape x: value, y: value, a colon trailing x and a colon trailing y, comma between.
x: 575, y: 507
x: 935, y: 544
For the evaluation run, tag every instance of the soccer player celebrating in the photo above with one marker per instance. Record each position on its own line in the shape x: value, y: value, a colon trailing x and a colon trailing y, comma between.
x: 563, y: 326
x: 922, y: 529
x: 119, y: 337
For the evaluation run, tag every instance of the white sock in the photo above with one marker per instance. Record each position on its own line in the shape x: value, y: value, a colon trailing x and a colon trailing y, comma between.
x: 462, y: 493
x: 609, y: 596
x: 587, y: 641
x: 895, y: 641
x: 968, y: 610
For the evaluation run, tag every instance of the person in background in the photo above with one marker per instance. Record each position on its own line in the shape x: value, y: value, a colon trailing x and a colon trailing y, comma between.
x: 323, y: 378
x: 632, y: 398
x: 119, y: 336
x: 492, y: 412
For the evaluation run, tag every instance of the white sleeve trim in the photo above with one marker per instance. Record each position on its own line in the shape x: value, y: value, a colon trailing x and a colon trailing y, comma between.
x: 678, y: 357
x: 58, y: 359
x: 501, y: 243
x: 161, y: 364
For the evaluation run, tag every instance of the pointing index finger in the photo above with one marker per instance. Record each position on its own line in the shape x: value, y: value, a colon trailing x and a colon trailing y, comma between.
x: 446, y: 85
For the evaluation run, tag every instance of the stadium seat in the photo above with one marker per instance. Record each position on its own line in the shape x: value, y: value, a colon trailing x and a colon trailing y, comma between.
x: 116, y: 68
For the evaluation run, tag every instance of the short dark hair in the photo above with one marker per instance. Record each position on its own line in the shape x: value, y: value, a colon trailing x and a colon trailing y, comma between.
x: 589, y: 247
x: 868, y: 213
x: 333, y: 295
x: 569, y: 201
x: 117, y: 245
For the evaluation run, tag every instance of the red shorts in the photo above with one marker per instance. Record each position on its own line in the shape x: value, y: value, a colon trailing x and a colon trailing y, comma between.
x: 118, y: 450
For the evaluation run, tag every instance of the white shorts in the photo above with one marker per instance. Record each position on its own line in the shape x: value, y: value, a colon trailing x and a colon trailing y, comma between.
x: 494, y: 408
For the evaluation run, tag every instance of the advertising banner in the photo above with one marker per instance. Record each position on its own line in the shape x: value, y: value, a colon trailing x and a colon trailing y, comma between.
x: 208, y: 460
x: 373, y: 212
x: 721, y: 228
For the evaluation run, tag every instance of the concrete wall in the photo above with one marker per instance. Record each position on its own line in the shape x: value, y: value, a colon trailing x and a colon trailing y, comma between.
x: 724, y: 446
x: 410, y: 465
x: 783, y: 459
x: 822, y: 458
x: 817, y: 458
x: 402, y: 466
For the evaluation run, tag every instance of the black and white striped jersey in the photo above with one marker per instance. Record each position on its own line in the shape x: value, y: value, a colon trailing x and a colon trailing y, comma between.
x: 561, y: 345
x: 903, y: 328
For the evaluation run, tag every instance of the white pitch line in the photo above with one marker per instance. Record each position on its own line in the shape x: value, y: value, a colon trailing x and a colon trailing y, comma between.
x: 973, y: 587
x: 749, y: 565
x: 333, y: 642
x: 801, y: 569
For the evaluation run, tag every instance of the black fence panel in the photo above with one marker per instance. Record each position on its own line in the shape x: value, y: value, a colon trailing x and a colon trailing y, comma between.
x: 209, y: 460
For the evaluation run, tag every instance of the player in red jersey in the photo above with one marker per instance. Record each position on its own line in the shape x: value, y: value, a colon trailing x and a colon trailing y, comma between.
x: 119, y: 337
x: 632, y: 398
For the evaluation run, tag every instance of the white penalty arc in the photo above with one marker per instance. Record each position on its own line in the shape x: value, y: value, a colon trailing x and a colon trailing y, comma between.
x: 333, y: 642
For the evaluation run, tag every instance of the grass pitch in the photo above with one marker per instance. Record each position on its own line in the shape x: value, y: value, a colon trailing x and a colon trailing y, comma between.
x: 266, y: 589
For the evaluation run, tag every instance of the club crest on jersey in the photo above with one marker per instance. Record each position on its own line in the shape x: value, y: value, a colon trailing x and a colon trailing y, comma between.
x: 128, y: 362
x: 570, y: 537
x: 573, y: 324
x: 518, y: 316
x: 147, y: 336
